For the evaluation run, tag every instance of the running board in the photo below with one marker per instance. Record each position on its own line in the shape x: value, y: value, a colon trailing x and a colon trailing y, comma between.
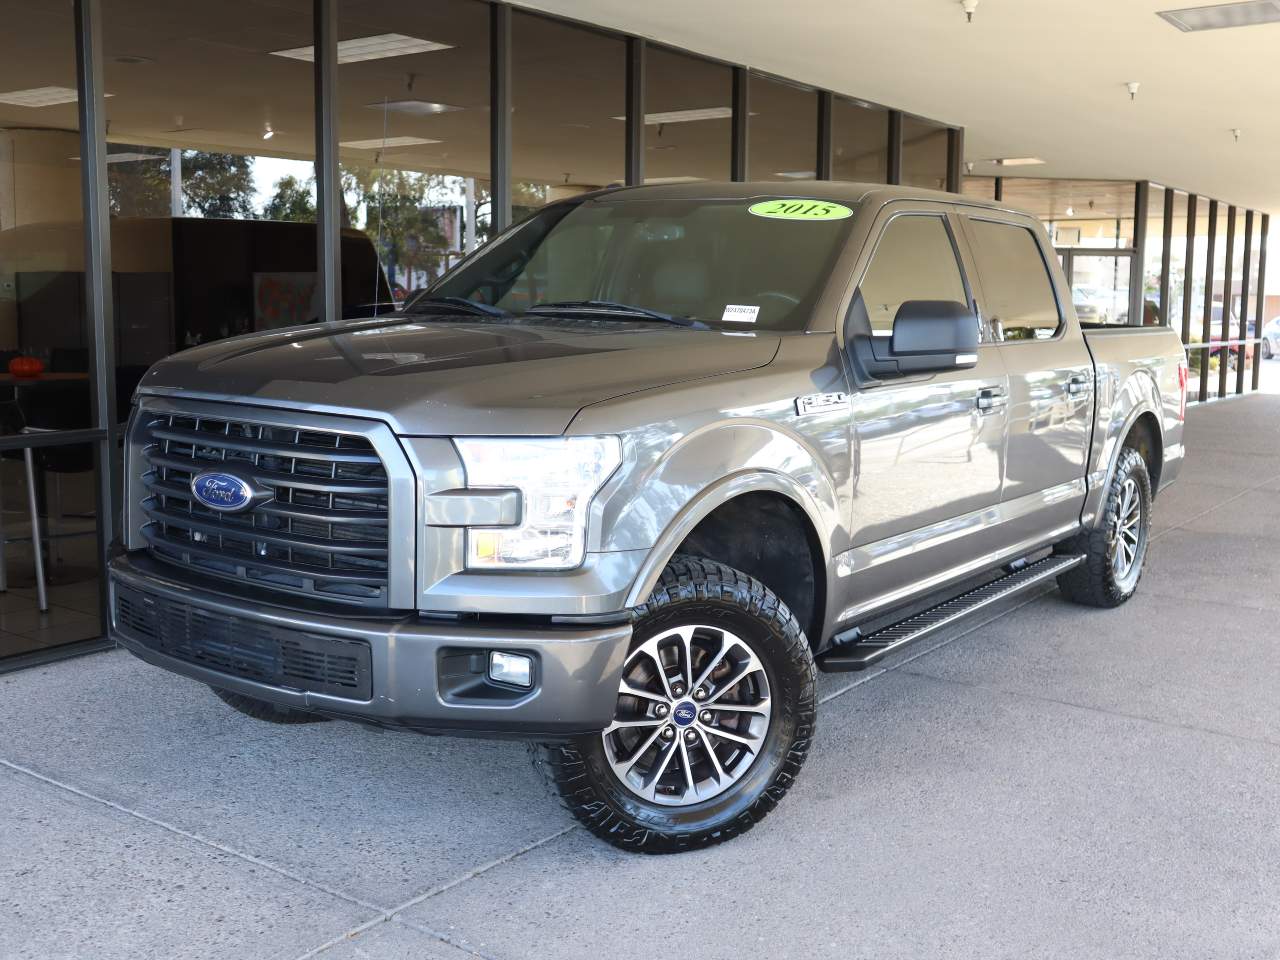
x: 858, y: 652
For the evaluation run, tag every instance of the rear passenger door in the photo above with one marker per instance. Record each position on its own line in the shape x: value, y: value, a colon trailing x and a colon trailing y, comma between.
x: 1050, y: 374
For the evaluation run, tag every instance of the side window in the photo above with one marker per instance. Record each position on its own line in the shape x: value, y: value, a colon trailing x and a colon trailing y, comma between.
x: 914, y: 260
x: 1016, y: 287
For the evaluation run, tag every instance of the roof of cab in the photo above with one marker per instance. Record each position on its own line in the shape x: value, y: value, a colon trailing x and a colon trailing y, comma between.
x: 838, y: 190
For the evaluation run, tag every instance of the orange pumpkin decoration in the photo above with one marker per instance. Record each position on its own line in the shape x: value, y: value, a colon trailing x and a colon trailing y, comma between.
x: 26, y: 366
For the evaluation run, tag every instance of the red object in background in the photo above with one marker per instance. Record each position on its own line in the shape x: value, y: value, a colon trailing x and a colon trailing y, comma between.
x: 26, y: 366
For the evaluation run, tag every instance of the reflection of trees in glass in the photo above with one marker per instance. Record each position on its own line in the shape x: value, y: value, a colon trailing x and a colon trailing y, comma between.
x: 416, y: 220
x: 213, y: 185
x: 292, y: 201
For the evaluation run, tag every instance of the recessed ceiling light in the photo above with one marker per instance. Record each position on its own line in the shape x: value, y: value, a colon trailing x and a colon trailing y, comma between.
x: 368, y: 48
x: 377, y: 143
x: 415, y: 108
x: 686, y: 116
x: 1218, y: 16
x: 40, y: 96
x: 1017, y: 161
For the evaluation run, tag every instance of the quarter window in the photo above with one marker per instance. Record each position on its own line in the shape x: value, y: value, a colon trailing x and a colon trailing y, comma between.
x: 914, y: 260
x: 1017, y: 292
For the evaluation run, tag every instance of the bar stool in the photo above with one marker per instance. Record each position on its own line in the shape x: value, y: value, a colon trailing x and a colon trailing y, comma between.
x: 12, y: 423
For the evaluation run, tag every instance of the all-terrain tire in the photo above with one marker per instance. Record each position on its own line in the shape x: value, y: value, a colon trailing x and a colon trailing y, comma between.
x: 1097, y: 582
x: 698, y: 591
x: 264, y: 710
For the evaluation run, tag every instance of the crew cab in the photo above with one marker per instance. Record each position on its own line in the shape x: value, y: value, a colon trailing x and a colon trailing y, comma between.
x: 627, y: 477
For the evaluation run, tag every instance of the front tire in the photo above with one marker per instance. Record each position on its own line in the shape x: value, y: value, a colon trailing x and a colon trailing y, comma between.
x: 1115, y: 550
x: 715, y: 716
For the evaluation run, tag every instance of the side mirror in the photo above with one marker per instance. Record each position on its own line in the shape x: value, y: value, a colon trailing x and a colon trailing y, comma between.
x: 934, y: 335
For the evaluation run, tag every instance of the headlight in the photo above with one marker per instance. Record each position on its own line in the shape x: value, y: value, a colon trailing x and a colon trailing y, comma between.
x: 556, y: 478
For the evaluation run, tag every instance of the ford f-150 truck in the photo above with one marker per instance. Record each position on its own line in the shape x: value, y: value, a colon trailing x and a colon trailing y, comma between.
x: 625, y: 478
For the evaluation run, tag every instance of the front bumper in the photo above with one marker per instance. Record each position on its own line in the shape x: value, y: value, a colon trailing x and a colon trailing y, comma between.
x: 420, y: 674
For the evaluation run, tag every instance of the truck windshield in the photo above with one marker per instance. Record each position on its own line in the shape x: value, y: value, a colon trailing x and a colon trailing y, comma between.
x: 749, y: 263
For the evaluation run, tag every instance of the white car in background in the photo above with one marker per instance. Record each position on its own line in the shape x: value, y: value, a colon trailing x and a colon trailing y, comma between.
x: 1271, y: 339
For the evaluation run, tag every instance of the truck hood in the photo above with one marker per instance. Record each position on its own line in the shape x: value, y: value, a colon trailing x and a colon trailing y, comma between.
x: 433, y: 377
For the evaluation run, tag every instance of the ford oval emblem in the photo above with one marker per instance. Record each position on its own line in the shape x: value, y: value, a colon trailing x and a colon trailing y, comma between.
x: 222, y: 491
x: 685, y: 713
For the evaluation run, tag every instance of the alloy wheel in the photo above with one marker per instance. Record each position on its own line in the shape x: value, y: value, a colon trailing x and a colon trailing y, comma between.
x: 692, y: 716
x: 1128, y: 529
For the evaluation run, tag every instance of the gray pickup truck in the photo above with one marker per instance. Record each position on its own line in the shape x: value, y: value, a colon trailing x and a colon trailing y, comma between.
x: 626, y: 478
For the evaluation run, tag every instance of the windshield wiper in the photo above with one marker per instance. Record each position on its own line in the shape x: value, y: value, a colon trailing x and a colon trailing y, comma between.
x: 460, y: 303
x: 612, y: 308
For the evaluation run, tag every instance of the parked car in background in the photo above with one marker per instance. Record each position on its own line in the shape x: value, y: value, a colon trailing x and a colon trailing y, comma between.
x: 1231, y: 331
x: 1271, y: 338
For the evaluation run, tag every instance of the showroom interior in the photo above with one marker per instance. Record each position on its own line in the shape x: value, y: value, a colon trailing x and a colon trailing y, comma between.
x: 175, y: 174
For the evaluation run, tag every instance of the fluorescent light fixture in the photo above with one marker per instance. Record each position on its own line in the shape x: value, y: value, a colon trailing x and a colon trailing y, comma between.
x: 415, y: 108
x: 1017, y: 161
x: 378, y: 143
x: 39, y: 96
x: 659, y: 180
x: 368, y: 48
x: 686, y: 116
x: 1219, y: 16
x: 797, y: 174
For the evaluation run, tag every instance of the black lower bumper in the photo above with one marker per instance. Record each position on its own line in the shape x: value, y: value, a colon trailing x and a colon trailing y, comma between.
x: 401, y: 671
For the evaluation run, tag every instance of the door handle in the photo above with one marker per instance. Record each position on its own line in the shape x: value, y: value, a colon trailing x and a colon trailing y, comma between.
x: 1077, y: 385
x: 991, y: 398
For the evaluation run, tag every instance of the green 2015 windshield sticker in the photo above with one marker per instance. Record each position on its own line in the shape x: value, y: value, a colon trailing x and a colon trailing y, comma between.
x: 792, y: 209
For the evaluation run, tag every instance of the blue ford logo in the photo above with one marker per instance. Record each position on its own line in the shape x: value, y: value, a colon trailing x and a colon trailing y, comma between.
x: 222, y: 491
x: 685, y: 713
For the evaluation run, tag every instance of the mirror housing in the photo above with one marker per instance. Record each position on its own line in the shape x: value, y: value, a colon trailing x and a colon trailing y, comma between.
x: 931, y: 335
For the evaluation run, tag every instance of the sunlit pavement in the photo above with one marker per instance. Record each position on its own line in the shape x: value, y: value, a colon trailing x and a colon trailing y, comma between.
x: 1058, y: 782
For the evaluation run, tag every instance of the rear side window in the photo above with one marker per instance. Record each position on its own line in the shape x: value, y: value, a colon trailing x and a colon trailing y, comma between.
x: 914, y: 260
x: 1015, y: 281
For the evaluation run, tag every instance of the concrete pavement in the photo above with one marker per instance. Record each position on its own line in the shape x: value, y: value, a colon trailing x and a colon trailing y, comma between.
x: 1056, y: 782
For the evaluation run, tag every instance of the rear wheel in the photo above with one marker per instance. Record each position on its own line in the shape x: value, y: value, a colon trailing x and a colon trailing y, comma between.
x: 714, y: 717
x: 265, y: 710
x: 1115, y: 550
x: 1266, y: 349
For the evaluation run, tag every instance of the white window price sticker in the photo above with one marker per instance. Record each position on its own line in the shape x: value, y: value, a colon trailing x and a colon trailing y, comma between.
x: 738, y: 313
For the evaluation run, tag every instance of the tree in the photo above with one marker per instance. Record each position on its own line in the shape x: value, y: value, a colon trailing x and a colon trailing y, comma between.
x: 139, y: 188
x: 218, y: 185
x: 292, y: 201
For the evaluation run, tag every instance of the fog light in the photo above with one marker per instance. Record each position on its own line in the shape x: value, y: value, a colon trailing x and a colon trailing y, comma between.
x: 512, y: 668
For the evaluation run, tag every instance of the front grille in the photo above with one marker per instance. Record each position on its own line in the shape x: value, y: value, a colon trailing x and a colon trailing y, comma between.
x: 322, y: 531
x: 246, y: 648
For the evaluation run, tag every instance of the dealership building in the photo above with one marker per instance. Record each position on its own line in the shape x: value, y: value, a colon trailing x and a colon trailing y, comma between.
x: 176, y: 173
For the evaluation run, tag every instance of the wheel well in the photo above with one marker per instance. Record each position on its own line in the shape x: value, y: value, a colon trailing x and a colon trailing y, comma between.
x: 1144, y: 436
x: 769, y: 537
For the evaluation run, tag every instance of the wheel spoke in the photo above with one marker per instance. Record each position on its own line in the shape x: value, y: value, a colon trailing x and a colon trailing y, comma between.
x: 632, y: 690
x: 715, y: 662
x: 761, y: 708
x: 655, y: 776
x: 629, y: 724
x: 751, y: 742
x: 741, y: 672
x: 651, y: 651
x: 687, y: 767
x: 710, y: 749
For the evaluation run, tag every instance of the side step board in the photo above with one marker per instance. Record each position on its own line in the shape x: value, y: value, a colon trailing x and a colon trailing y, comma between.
x: 862, y: 651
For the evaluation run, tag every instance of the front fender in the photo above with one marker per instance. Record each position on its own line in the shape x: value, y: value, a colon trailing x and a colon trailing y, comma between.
x: 663, y: 500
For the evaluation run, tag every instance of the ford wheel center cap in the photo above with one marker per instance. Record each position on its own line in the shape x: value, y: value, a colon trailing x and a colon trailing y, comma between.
x: 685, y: 713
x: 222, y: 491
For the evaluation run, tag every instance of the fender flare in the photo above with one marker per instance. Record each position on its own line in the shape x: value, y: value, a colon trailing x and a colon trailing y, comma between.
x: 703, y: 505
x: 1151, y: 403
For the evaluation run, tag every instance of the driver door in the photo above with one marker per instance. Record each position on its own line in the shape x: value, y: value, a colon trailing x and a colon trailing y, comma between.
x: 928, y: 449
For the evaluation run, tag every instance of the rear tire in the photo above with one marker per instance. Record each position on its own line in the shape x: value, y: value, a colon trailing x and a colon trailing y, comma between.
x: 1115, y: 550
x: 265, y: 710
x: 1266, y: 349
x: 719, y: 663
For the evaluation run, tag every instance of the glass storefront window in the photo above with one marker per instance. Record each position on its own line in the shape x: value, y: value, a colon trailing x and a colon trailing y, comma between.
x: 782, y: 134
x: 1177, y: 262
x: 413, y: 131
x: 211, y: 180
x: 1078, y: 213
x: 47, y: 494
x: 859, y: 141
x: 924, y: 154
x: 568, y: 99
x: 688, y: 118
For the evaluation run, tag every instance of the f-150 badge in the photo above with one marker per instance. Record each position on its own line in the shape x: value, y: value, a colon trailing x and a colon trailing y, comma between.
x: 820, y: 403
